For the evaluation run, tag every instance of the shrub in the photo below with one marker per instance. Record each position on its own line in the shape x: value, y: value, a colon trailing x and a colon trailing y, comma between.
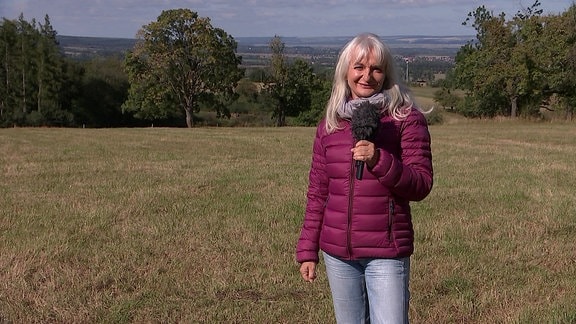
x: 434, y: 117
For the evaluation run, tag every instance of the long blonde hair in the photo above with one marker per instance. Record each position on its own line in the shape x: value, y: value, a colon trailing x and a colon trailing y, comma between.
x: 399, y: 103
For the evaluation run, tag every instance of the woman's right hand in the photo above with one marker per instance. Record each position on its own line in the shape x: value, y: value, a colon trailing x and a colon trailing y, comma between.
x: 308, y: 271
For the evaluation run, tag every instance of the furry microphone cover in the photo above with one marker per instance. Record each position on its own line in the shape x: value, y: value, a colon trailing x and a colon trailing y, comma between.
x: 365, y: 121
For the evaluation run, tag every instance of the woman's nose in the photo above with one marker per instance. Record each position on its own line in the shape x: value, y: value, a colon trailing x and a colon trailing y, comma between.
x: 366, y: 75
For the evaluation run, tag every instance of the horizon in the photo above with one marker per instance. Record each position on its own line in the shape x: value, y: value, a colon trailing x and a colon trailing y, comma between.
x: 293, y: 37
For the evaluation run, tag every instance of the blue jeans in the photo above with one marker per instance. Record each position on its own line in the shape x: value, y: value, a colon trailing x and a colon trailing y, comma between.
x: 369, y: 290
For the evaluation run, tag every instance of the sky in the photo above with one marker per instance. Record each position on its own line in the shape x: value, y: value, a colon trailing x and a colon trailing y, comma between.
x: 266, y: 18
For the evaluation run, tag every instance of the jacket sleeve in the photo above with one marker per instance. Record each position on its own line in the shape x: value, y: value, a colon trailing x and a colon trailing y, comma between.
x: 411, y: 176
x: 308, y: 243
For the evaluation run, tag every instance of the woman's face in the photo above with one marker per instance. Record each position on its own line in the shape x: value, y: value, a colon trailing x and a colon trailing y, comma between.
x: 365, y: 77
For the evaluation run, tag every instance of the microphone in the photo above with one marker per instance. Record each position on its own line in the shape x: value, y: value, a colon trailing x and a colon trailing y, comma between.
x: 364, y: 124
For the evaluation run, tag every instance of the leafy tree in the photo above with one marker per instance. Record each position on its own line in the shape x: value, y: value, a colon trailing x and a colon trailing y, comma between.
x: 278, y: 80
x: 320, y: 96
x: 26, y: 55
x: 499, y: 72
x: 518, y: 64
x: 557, y: 59
x: 71, y: 90
x: 8, y: 75
x: 446, y: 98
x: 499, y: 66
x: 473, y: 71
x: 49, y: 78
x: 180, y: 61
x: 290, y: 86
x: 248, y: 89
x: 104, y: 87
x: 49, y: 68
x: 257, y: 74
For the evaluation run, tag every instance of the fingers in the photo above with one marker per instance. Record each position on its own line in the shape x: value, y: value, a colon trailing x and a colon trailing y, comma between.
x: 363, y: 143
x: 308, y: 271
x: 363, y: 151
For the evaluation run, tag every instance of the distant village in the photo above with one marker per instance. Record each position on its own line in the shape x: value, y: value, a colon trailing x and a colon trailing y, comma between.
x: 425, y: 58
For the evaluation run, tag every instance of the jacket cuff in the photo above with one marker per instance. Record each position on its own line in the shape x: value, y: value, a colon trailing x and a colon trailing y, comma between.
x: 383, y: 165
x: 302, y: 257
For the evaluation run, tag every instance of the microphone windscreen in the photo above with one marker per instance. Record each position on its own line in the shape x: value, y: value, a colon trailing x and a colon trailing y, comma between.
x: 365, y: 121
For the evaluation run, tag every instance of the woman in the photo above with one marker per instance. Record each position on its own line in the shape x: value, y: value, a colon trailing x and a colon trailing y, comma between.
x: 364, y: 227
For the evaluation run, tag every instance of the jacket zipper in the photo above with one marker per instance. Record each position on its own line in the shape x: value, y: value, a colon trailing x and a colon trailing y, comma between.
x: 390, y: 218
x: 350, y: 199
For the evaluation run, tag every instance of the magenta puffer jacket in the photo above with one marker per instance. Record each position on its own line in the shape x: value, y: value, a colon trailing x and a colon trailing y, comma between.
x: 369, y: 218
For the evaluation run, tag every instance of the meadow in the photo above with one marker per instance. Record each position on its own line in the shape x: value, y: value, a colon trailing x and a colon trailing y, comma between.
x: 199, y: 226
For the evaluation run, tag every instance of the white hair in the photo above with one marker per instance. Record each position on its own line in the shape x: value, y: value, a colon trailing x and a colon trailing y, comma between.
x: 399, y: 103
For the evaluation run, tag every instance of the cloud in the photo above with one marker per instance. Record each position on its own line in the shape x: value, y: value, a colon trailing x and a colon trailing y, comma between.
x: 123, y: 18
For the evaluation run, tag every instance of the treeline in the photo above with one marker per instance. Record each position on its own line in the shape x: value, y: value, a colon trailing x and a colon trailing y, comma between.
x: 517, y: 67
x: 191, y: 79
x: 183, y: 72
x: 41, y: 87
x: 37, y: 85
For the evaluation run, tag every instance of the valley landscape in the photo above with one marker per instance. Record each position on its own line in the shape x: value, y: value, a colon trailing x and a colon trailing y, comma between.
x: 252, y: 49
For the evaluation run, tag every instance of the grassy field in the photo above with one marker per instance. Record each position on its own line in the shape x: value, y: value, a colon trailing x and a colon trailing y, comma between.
x: 424, y: 96
x: 193, y: 226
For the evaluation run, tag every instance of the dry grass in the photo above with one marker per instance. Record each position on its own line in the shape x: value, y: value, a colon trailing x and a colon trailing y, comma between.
x: 424, y: 96
x: 177, y: 225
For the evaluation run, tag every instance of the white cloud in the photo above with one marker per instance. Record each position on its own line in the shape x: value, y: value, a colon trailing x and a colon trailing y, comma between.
x: 122, y: 18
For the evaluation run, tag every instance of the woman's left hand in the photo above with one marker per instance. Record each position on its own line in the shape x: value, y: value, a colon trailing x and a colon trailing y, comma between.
x: 365, y: 151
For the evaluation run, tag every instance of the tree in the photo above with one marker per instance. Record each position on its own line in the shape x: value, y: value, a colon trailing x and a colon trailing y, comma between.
x: 319, y: 98
x: 557, y: 60
x: 278, y: 80
x: 104, y: 87
x: 499, y: 66
x: 49, y: 68
x: 476, y: 63
x: 26, y: 40
x: 8, y: 40
x: 446, y: 98
x: 290, y: 86
x: 248, y: 89
x: 178, y: 62
x: 32, y: 73
x: 49, y: 79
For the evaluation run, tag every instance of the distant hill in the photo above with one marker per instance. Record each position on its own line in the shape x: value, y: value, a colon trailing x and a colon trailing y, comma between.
x: 392, y: 41
x: 86, y: 47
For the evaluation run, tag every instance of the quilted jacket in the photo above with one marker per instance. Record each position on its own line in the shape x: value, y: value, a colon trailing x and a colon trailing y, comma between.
x: 368, y: 218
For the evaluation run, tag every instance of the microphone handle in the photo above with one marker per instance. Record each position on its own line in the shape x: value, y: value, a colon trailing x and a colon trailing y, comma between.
x: 359, y: 169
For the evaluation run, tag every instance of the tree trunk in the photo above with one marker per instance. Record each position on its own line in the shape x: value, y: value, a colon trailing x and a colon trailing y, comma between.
x: 280, y: 119
x: 189, y: 118
x: 23, y: 79
x: 40, y: 94
x: 40, y: 84
x: 514, y: 103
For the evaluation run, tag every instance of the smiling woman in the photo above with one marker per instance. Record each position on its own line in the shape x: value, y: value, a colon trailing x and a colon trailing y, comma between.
x: 363, y: 225
x: 365, y: 76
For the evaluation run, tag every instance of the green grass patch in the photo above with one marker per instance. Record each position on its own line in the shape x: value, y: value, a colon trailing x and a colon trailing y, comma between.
x: 200, y: 225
